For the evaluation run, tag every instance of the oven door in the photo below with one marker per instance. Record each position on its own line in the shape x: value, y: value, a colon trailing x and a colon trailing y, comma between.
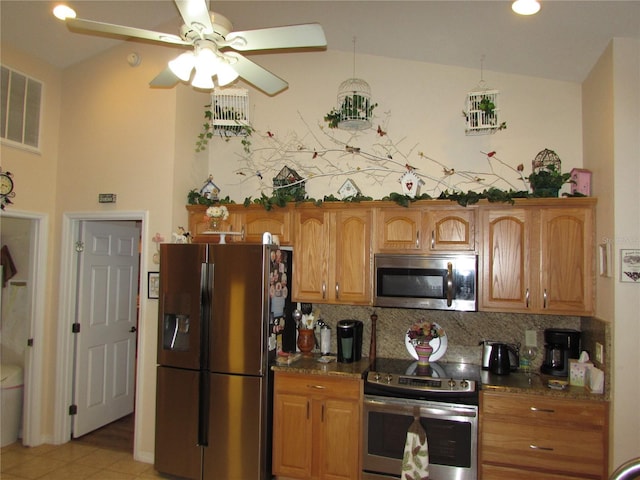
x: 452, y: 437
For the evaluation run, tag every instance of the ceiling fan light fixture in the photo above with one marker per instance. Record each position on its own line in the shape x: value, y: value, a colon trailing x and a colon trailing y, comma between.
x: 62, y: 12
x: 182, y: 65
x: 226, y: 74
x: 202, y: 79
x: 526, y: 7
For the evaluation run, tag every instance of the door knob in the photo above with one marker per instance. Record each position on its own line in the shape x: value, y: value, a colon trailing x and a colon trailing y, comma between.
x: 133, y: 329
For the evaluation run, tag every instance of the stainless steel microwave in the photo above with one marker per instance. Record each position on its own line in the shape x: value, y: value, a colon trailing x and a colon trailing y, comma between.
x: 436, y: 282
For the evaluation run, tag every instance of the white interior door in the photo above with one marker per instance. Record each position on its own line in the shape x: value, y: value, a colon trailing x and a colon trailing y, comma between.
x: 107, y: 291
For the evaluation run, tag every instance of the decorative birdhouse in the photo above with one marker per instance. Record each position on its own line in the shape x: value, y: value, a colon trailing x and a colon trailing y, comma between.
x: 349, y: 189
x: 411, y: 183
x: 581, y: 181
x: 210, y: 190
x: 288, y: 176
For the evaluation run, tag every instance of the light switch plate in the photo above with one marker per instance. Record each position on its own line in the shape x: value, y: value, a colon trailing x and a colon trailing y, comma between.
x: 599, y: 353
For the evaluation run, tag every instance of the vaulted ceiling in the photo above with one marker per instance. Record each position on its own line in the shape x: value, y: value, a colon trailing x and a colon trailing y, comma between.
x: 563, y: 41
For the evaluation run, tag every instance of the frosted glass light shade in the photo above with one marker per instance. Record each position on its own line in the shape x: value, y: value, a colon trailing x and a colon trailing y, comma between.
x: 182, y: 65
x: 526, y: 7
x: 202, y: 79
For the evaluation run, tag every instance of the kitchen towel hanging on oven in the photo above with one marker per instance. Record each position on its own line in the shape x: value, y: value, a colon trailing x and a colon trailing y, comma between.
x: 415, y: 462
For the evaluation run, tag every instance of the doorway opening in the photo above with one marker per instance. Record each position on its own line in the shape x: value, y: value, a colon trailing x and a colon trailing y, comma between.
x: 69, y: 374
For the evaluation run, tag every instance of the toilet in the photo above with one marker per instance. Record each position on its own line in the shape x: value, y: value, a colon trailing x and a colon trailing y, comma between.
x: 12, y: 386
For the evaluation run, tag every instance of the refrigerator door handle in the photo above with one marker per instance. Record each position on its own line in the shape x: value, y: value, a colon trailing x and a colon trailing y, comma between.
x: 203, y: 409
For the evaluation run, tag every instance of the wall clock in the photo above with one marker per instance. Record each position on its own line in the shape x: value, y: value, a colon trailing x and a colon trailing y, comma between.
x: 6, y: 188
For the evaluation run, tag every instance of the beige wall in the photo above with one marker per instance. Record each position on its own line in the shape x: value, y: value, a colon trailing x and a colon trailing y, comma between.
x: 611, y: 123
x: 419, y: 106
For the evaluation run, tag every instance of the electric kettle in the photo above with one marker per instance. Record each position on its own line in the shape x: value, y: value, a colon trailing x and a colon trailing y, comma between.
x: 503, y: 358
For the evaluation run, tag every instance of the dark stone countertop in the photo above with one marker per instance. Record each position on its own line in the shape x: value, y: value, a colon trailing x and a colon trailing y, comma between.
x: 309, y: 365
x: 535, y: 384
x: 515, y: 382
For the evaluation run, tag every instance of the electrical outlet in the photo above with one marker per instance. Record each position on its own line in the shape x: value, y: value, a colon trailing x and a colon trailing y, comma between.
x: 599, y: 353
x: 531, y: 338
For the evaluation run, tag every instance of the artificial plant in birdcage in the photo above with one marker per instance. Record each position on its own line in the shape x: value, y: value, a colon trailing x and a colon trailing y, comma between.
x: 481, y: 111
x: 355, y: 107
x: 546, y: 177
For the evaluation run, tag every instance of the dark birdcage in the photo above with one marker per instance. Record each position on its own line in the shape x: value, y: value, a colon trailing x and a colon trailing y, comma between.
x: 546, y: 160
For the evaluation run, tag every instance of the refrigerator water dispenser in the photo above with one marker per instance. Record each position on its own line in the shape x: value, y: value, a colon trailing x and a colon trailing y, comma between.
x: 176, y: 332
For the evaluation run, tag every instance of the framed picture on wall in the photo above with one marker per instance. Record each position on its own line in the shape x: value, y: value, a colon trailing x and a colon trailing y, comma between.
x: 153, y: 285
x: 630, y: 266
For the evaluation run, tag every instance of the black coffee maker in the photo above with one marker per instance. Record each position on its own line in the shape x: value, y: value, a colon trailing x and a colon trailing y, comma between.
x: 349, y: 333
x: 560, y: 344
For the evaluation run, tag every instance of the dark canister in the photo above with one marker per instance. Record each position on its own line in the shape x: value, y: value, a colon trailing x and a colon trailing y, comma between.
x: 349, y: 338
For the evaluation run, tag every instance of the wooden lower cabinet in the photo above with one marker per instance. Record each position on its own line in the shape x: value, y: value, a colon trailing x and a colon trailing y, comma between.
x: 316, y: 427
x: 535, y: 436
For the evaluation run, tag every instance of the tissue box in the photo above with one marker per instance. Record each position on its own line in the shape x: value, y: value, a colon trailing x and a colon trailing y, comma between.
x: 578, y: 372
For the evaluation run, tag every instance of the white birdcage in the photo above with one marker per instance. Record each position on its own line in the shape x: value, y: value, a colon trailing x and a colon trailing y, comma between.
x: 482, y: 112
x: 230, y: 111
x: 354, y: 105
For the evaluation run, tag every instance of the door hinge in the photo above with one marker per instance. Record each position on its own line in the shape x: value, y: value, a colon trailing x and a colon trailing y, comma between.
x: 79, y: 246
x: 75, y: 328
x: 73, y: 409
x: 30, y: 342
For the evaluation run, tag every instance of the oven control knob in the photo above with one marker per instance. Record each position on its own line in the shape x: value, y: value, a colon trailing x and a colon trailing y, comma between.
x: 464, y: 384
x: 376, y: 376
x: 452, y: 383
x: 389, y: 378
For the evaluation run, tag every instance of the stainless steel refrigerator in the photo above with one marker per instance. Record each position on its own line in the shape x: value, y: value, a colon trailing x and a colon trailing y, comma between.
x: 219, y: 309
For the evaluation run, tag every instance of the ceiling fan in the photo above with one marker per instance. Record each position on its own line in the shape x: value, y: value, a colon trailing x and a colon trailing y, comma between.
x: 212, y: 43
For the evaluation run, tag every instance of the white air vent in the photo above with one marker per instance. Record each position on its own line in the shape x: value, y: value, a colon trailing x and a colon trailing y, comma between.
x: 21, y: 103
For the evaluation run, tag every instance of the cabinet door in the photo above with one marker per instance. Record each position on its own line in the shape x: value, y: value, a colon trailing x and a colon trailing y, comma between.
x: 199, y: 224
x: 506, y: 250
x: 258, y: 221
x: 567, y: 272
x: 292, y: 441
x: 340, y: 440
x: 352, y: 261
x: 450, y: 229
x: 310, y: 279
x: 397, y: 230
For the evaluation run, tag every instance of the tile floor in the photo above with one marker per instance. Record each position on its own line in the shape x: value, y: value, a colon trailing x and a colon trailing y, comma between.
x: 71, y: 461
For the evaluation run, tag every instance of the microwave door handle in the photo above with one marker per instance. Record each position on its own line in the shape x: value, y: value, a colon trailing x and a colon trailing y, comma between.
x: 449, y: 284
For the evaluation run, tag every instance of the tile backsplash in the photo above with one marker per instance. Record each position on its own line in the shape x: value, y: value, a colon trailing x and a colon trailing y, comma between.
x: 464, y: 330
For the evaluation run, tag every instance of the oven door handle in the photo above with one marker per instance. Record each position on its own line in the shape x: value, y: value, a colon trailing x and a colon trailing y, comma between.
x: 432, y: 410
x: 449, y: 284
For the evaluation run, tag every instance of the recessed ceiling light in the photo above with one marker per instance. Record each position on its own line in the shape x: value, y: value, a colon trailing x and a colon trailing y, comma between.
x: 526, y: 7
x: 63, y: 12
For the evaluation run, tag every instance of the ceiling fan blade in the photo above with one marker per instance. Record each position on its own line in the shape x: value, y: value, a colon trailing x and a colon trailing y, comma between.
x: 165, y: 79
x: 256, y: 75
x: 293, y: 36
x: 195, y: 15
x: 122, y: 31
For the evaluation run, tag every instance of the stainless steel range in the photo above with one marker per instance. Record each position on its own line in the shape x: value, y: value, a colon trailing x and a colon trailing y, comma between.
x: 443, y: 395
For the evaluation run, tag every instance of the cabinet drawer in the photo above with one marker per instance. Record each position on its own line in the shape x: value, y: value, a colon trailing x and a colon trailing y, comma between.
x: 542, y: 410
x: 318, y: 385
x: 494, y: 472
x: 552, y: 448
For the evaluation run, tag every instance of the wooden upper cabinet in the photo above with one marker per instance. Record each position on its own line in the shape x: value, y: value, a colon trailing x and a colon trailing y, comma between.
x: 248, y: 222
x: 332, y: 255
x: 567, y: 260
x: 448, y: 229
x: 538, y: 258
x: 257, y: 221
x: 398, y: 229
x: 505, y: 259
x: 310, y: 259
x: 425, y: 229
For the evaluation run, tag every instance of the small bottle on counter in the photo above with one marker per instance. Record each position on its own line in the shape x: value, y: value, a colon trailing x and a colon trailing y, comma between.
x: 325, y: 339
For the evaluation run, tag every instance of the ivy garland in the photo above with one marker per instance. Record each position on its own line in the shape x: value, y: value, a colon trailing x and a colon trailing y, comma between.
x: 281, y: 198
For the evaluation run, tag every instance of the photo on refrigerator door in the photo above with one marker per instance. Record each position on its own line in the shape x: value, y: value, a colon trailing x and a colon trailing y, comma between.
x: 283, y: 327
